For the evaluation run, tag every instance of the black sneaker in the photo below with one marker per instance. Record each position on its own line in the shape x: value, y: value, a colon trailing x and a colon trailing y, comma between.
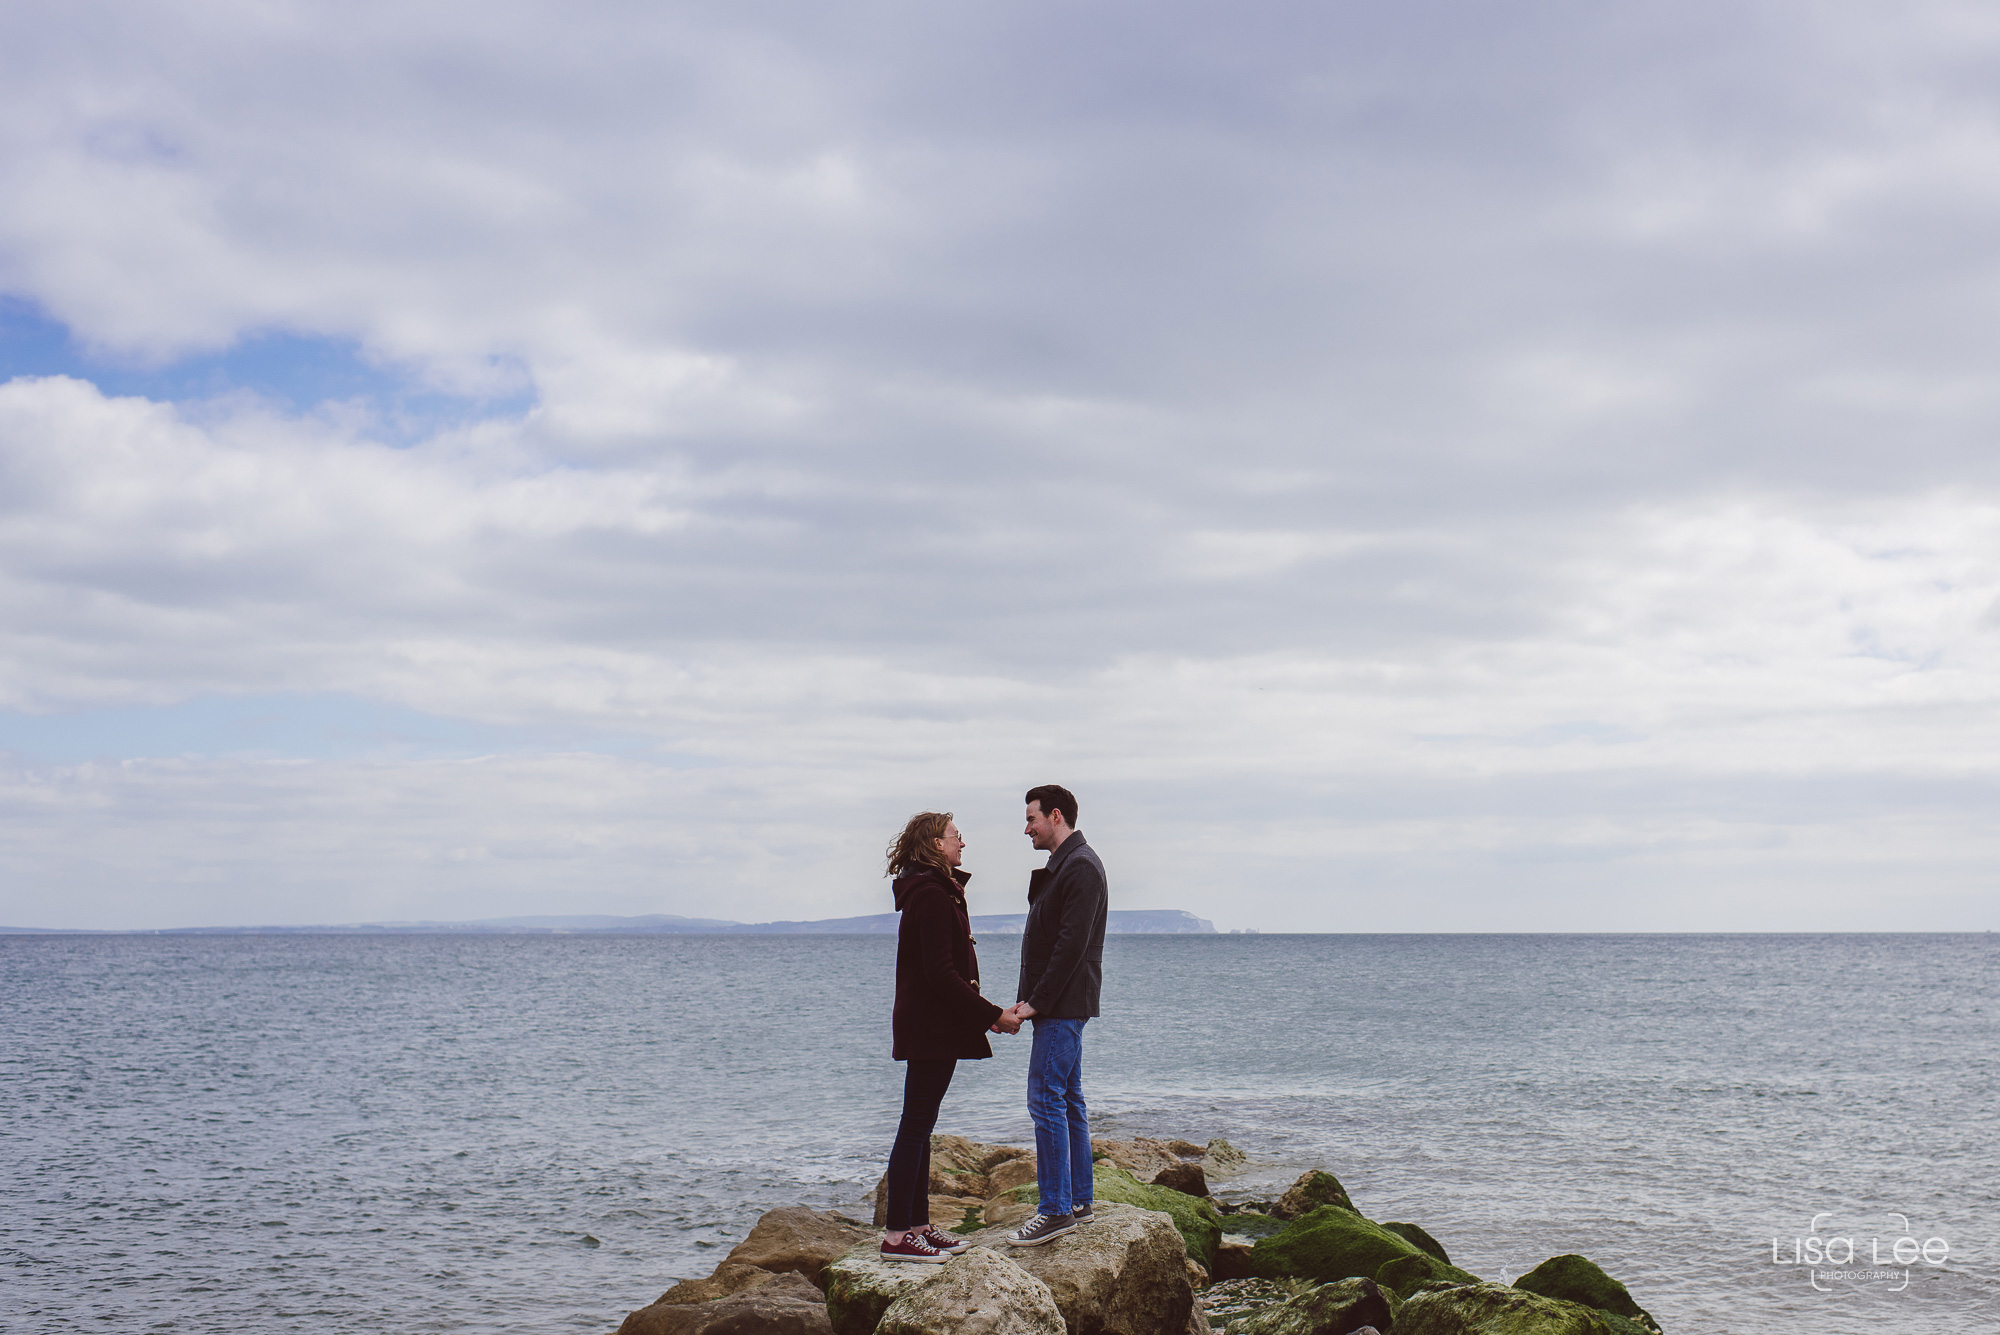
x: 1082, y: 1213
x: 1041, y: 1229
x: 913, y: 1247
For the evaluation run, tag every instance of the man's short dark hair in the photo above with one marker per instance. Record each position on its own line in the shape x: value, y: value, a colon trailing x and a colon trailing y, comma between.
x: 1054, y: 797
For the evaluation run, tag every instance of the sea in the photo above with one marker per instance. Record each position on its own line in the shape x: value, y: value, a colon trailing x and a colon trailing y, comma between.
x: 1795, y: 1134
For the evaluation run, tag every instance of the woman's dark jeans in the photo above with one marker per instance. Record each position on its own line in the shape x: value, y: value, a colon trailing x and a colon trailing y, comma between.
x: 924, y: 1085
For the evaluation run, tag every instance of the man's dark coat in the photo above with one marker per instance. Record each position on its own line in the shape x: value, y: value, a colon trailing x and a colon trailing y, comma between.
x: 1062, y: 946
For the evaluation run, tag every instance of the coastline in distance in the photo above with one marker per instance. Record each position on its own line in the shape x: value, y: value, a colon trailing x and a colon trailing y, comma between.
x: 1118, y: 921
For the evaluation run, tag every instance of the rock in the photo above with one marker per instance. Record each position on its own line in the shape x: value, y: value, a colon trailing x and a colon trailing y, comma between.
x: 1013, y: 1173
x: 1123, y: 1274
x: 1010, y: 1208
x: 1329, y: 1309
x: 729, y: 1277
x: 945, y: 1211
x: 958, y: 1172
x: 1422, y: 1241
x: 782, y: 1305
x: 1141, y: 1157
x: 1406, y: 1274
x: 1327, y: 1244
x: 795, y: 1239
x: 1198, y: 1322
x: 1577, y: 1279
x: 1221, y: 1159
x: 976, y: 1293
x: 1232, y: 1261
x: 860, y: 1287
x: 1197, y: 1275
x: 1495, y: 1309
x: 1252, y: 1224
x: 1199, y: 1224
x: 1186, y: 1178
x: 1312, y: 1190
x: 1228, y: 1299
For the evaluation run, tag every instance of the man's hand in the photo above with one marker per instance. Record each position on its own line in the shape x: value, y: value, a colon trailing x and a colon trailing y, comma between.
x: 1007, y: 1023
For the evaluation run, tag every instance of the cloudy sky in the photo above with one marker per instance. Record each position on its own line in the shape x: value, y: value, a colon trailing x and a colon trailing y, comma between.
x: 1406, y: 465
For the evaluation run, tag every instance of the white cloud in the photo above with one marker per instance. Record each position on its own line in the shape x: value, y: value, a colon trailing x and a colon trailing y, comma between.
x: 1486, y: 447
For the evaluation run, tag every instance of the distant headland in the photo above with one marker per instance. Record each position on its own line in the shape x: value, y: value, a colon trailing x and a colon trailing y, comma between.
x: 1124, y: 922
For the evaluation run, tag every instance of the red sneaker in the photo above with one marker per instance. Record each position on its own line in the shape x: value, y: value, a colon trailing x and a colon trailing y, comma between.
x: 945, y: 1242
x: 913, y: 1247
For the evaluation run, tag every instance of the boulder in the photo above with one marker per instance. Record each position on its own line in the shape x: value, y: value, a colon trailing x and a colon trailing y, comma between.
x: 1329, y: 1309
x: 1186, y: 1178
x: 976, y: 1293
x: 1199, y: 1223
x: 1327, y: 1244
x: 1312, y: 1190
x: 1406, y: 1274
x: 1417, y: 1237
x: 861, y: 1286
x: 1011, y: 1174
x: 781, y: 1305
x: 794, y: 1239
x: 1123, y: 1274
x: 1495, y: 1309
x: 958, y: 1172
x: 1232, y: 1261
x: 729, y: 1277
x: 1198, y: 1322
x: 1227, y: 1299
x: 1142, y: 1157
x: 1197, y: 1274
x: 1222, y: 1159
x: 1577, y: 1279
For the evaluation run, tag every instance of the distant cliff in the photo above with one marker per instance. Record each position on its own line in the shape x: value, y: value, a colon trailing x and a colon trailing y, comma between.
x: 1119, y: 921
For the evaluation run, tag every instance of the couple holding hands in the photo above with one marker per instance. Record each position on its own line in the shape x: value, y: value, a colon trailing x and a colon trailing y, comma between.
x: 941, y: 1018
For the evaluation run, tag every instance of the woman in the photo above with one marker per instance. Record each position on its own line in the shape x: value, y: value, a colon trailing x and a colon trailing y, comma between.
x: 939, y: 1018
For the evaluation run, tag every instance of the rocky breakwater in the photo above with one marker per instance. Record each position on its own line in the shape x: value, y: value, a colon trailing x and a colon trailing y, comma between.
x: 1162, y: 1257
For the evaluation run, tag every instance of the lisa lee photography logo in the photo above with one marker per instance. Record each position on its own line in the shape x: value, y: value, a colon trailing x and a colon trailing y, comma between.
x: 1836, y: 1256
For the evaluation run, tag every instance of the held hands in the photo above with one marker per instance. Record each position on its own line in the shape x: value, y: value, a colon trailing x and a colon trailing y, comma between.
x: 1010, y: 1019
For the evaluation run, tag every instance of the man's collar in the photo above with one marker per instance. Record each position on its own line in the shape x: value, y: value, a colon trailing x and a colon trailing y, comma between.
x: 1065, y: 848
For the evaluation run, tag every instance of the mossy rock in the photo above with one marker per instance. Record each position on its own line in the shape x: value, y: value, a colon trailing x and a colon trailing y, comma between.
x: 1327, y: 1244
x: 1313, y: 1189
x: 1578, y: 1279
x: 1495, y: 1309
x: 1345, y: 1306
x: 1404, y: 1275
x: 1250, y: 1224
x: 1199, y: 1223
x: 1424, y: 1242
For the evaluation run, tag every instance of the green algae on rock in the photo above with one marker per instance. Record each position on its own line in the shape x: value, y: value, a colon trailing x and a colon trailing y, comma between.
x: 1199, y: 1223
x: 1578, y: 1279
x: 1325, y: 1309
x: 1313, y: 1189
x: 1423, y: 1241
x: 1406, y: 1274
x: 860, y: 1287
x: 1495, y: 1309
x: 1329, y: 1243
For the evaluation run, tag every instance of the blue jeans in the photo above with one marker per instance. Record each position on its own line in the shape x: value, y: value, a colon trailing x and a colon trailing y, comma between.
x: 1062, y: 1122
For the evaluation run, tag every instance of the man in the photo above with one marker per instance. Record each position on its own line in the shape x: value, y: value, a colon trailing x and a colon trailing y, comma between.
x: 1062, y: 966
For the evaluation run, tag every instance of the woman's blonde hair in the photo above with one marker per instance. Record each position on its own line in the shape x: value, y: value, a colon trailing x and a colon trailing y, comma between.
x: 917, y: 846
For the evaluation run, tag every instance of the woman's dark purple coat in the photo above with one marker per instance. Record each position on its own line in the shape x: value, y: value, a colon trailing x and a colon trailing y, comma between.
x: 939, y: 1012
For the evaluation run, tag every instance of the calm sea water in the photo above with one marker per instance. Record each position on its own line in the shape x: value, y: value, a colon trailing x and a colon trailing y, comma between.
x: 538, y: 1134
